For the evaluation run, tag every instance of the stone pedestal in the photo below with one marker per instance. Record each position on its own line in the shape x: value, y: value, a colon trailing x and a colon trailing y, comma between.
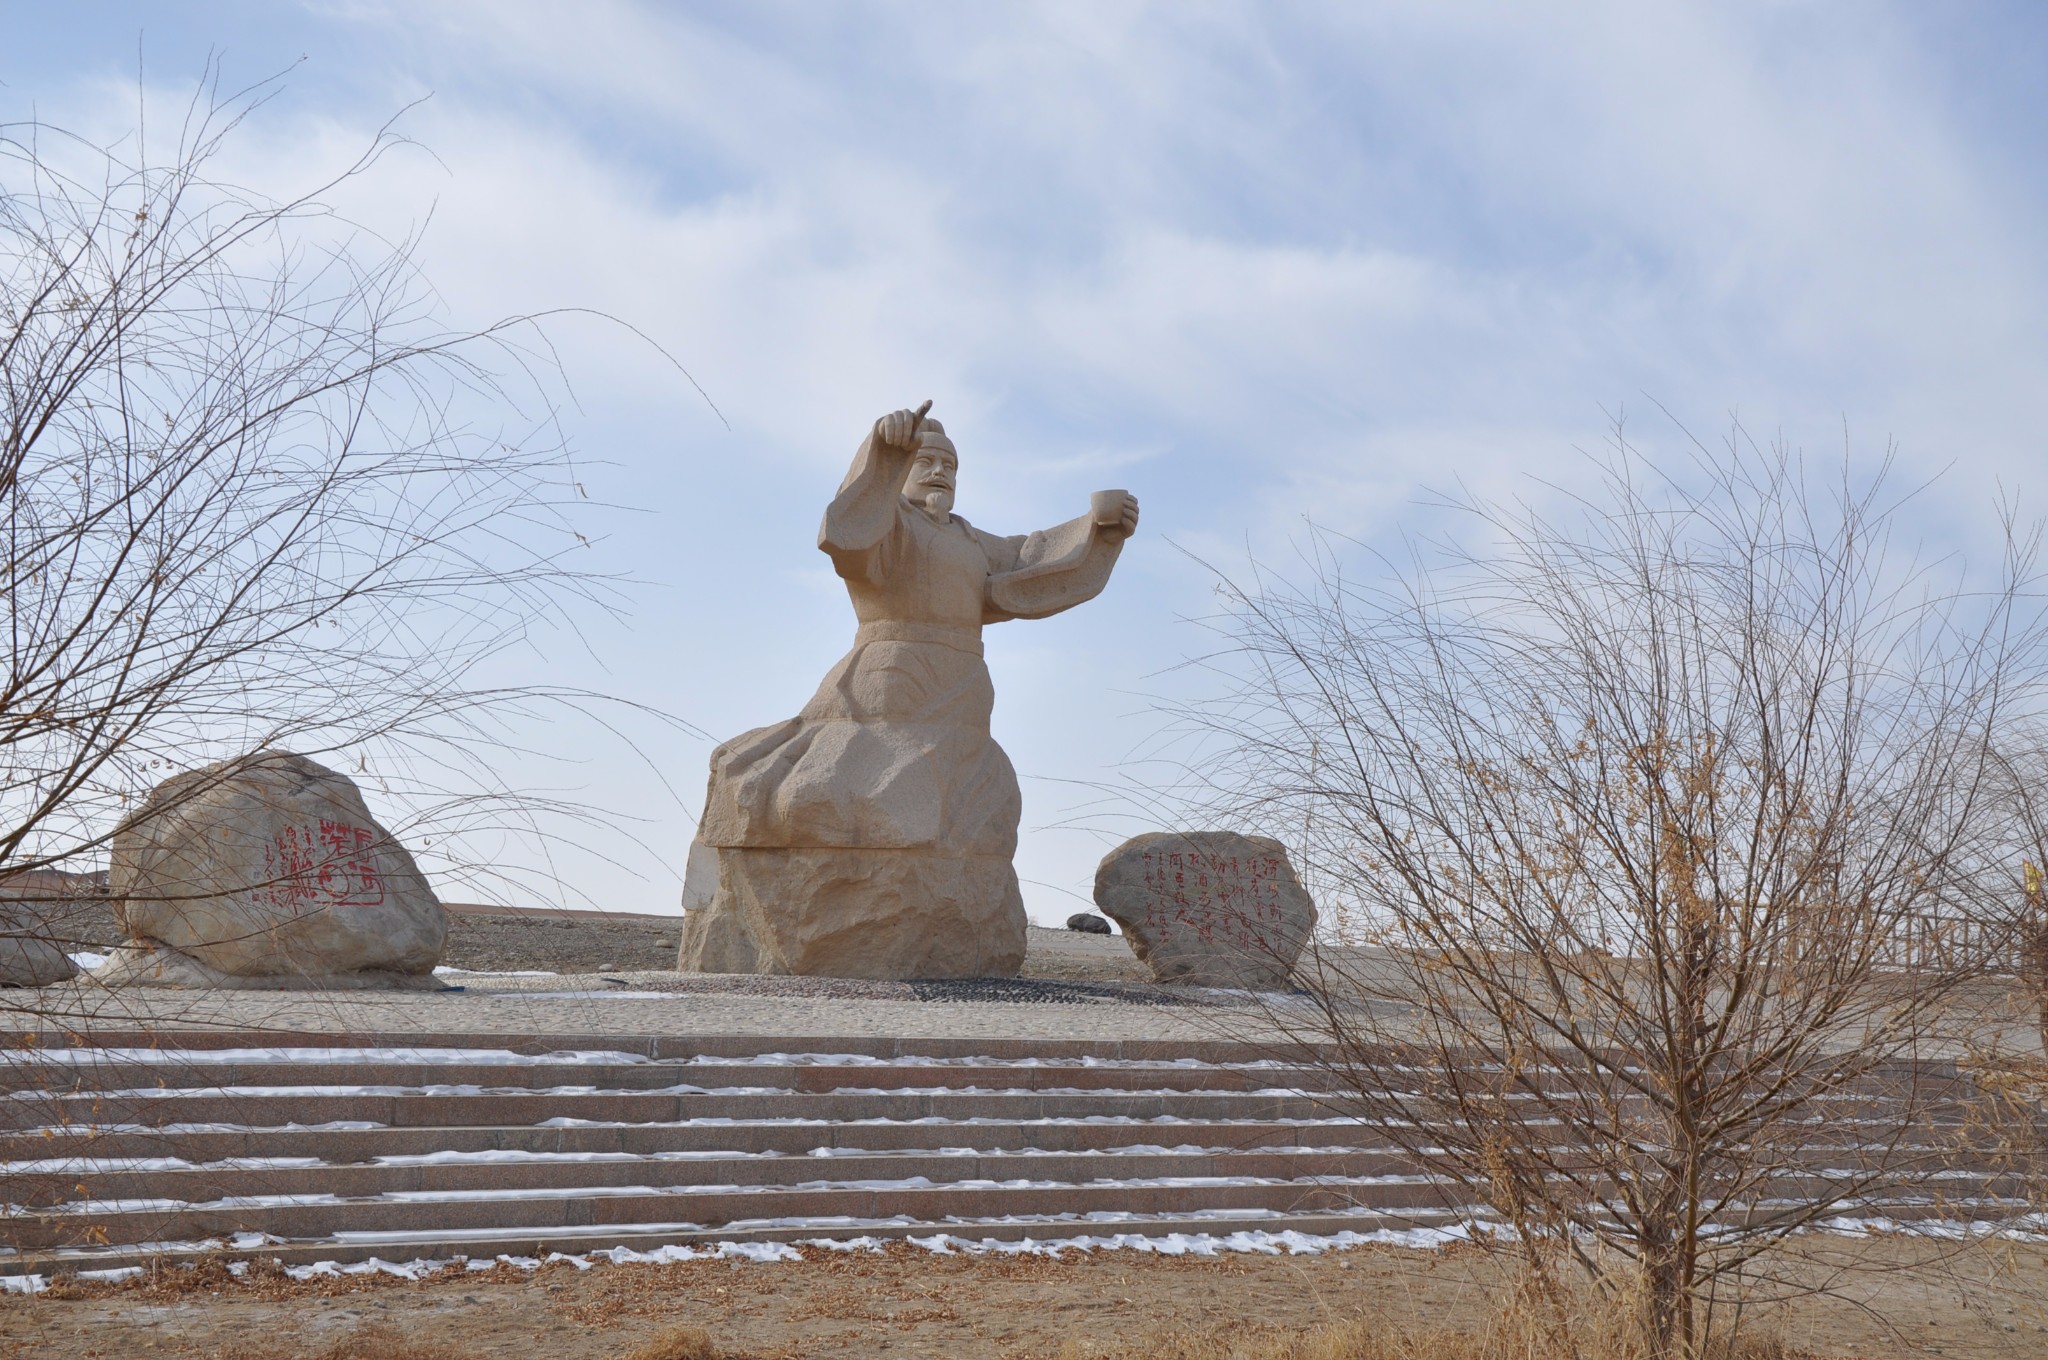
x: 850, y: 913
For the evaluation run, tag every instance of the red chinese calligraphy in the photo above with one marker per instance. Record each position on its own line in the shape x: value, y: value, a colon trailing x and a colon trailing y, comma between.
x: 1228, y: 898
x: 329, y: 864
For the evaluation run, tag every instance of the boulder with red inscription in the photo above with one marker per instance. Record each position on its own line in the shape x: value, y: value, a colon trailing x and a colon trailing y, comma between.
x: 268, y: 871
x: 1209, y: 907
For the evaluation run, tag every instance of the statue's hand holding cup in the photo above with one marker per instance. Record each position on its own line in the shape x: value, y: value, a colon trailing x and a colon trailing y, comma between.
x: 1114, y: 512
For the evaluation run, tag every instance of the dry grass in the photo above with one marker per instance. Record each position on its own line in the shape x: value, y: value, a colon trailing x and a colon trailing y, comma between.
x: 1590, y: 1327
x: 1368, y: 1341
x: 380, y: 1342
x: 372, y: 1342
x: 677, y: 1343
x: 1394, y: 1304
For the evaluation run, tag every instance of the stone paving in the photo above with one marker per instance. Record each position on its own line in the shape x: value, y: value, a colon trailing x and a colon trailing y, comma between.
x: 1076, y: 987
x: 644, y: 1003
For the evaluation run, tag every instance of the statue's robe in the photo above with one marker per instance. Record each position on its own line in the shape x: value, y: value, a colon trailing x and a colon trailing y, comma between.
x: 871, y: 835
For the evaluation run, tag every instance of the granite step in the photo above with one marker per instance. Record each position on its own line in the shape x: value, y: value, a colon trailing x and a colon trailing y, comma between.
x: 707, y: 1206
x: 427, y: 1106
x: 1884, y: 1080
x: 338, y: 1148
x: 813, y: 1074
x: 483, y: 1245
x: 785, y: 1137
x: 37, y: 1186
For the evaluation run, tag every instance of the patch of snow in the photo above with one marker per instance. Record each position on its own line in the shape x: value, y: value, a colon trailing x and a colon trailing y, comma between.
x: 83, y: 1056
x: 103, y: 1166
x: 426, y: 1089
x: 874, y: 1184
x: 2031, y: 1228
x: 443, y: 970
x: 584, y: 996
x: 438, y: 1056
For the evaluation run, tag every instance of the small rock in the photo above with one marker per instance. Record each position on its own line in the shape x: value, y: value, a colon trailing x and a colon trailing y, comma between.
x: 1209, y: 907
x: 44, y: 914
x: 28, y: 956
x: 1088, y: 923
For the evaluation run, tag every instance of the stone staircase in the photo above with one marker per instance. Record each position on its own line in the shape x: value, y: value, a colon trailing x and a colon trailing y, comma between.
x: 142, y: 1147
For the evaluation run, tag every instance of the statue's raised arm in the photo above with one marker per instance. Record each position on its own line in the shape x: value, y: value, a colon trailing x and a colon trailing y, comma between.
x: 863, y: 515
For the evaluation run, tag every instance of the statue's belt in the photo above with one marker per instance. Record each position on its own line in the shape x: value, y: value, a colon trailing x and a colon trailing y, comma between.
x: 889, y: 630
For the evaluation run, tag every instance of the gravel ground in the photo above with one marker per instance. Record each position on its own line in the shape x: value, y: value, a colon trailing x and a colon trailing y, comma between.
x: 634, y: 1004
x: 615, y: 974
x: 585, y: 942
x: 589, y: 942
x: 596, y: 942
x: 1023, y: 990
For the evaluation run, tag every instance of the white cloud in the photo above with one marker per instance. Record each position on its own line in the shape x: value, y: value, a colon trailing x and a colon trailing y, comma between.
x: 1253, y: 262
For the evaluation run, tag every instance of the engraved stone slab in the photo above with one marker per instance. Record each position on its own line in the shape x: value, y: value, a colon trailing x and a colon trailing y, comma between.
x: 1209, y: 907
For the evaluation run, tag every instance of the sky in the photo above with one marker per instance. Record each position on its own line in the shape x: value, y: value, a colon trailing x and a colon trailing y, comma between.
x: 1263, y: 265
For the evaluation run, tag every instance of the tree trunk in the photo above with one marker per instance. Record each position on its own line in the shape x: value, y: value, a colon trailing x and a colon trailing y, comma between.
x: 1667, y: 1296
x: 2034, y: 970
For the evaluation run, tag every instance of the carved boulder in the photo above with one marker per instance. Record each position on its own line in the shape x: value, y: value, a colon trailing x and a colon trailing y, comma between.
x: 1213, y: 908
x: 268, y: 872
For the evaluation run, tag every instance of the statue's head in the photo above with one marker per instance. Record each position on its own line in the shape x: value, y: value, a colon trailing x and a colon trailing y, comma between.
x: 933, y: 467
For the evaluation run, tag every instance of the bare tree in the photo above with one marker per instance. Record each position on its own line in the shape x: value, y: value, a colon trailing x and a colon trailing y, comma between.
x: 1629, y: 824
x: 254, y: 493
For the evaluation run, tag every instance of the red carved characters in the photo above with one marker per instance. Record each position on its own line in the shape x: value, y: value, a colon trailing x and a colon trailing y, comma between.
x: 332, y: 864
x: 1226, y: 896
x: 1208, y: 906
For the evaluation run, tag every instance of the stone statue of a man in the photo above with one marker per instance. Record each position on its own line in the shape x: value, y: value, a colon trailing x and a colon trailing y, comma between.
x: 871, y: 835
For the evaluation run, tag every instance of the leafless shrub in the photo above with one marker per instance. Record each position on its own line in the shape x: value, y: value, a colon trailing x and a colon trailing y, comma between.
x: 255, y: 494
x: 1628, y: 826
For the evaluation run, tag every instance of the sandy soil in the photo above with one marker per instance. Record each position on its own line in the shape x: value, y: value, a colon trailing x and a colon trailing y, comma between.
x: 1983, y: 1303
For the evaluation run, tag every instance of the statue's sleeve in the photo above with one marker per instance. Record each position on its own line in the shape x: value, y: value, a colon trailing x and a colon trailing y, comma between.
x: 861, y: 527
x: 1045, y: 572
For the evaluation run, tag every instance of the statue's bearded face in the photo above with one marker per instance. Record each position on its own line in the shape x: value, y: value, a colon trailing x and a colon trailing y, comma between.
x: 930, y: 481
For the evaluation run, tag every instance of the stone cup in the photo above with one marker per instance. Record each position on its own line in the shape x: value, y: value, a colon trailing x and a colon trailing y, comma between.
x: 1107, y: 507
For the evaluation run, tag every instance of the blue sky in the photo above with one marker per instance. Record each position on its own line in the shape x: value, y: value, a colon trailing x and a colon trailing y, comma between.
x: 1256, y: 263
